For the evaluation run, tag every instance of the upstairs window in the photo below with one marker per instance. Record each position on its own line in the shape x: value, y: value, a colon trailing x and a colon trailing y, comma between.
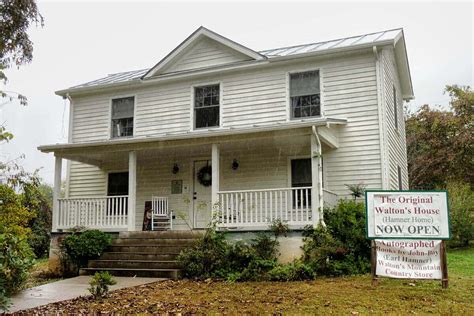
x: 305, y: 94
x: 395, y: 107
x: 122, y: 117
x: 206, y: 106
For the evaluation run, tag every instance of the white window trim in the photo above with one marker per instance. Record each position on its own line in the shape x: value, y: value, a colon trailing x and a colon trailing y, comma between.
x: 288, y: 97
x: 135, y: 105
x: 289, y: 159
x: 203, y: 84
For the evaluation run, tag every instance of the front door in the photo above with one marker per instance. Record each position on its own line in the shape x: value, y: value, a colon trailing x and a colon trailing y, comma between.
x: 202, y: 193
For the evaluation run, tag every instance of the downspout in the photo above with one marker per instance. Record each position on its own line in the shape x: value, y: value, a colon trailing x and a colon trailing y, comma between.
x: 320, y: 176
x: 69, y: 140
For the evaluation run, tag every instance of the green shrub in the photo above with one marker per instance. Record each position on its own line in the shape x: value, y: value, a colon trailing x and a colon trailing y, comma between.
x: 16, y: 258
x: 461, y: 204
x: 99, y: 285
x: 295, y: 271
x: 346, y: 222
x: 4, y: 301
x: 265, y: 247
x: 207, y: 257
x: 214, y: 257
x: 39, y: 198
x: 79, y: 247
x: 279, y: 228
x: 340, y: 248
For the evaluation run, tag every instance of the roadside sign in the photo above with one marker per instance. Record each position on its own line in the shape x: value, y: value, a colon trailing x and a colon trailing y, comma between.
x: 409, y: 259
x: 408, y: 230
x: 407, y: 215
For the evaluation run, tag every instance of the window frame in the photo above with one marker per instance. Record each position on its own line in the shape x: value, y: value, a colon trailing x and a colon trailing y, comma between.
x: 135, y: 104
x: 288, y: 94
x: 109, y: 208
x: 192, y: 107
x: 107, y: 180
x: 399, y: 176
x: 290, y: 177
x: 395, y: 108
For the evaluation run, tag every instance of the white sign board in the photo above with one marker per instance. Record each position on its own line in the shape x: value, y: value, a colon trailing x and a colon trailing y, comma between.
x: 407, y: 215
x: 409, y: 259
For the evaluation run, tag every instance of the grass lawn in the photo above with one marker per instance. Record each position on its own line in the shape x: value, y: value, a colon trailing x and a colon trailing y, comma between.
x: 347, y: 295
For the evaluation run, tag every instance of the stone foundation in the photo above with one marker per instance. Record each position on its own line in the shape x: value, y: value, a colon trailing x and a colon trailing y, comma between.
x: 54, y: 262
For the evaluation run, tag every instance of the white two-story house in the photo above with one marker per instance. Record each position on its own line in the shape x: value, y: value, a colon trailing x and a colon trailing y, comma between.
x: 216, y: 131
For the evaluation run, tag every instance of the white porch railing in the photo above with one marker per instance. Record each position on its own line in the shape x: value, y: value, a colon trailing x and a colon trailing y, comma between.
x: 108, y: 212
x: 258, y: 208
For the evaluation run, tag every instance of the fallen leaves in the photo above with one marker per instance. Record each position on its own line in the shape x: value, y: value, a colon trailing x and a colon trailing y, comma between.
x: 350, y: 296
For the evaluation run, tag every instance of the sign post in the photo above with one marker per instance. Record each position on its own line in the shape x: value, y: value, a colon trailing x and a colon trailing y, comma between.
x: 408, y: 230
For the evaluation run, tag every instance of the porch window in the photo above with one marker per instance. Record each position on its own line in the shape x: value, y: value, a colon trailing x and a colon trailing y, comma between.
x: 206, y: 106
x: 117, y: 184
x: 122, y: 117
x: 301, y: 176
x: 305, y: 94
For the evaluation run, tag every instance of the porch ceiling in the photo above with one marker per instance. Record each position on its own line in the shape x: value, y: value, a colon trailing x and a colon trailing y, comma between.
x: 115, y: 152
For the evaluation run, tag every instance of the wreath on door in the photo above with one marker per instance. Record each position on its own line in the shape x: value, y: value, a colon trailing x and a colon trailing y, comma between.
x: 204, y: 176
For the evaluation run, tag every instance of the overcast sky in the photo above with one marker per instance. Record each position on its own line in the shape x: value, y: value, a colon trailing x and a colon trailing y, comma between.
x: 82, y: 41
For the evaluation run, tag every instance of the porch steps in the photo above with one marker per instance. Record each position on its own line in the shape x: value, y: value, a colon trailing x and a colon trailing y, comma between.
x: 143, y: 254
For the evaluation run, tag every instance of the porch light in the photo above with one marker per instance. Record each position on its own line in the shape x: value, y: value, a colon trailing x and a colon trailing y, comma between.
x: 235, y: 164
x: 175, y: 169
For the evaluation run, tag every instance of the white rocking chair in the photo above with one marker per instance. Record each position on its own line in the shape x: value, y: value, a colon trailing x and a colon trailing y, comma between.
x: 161, y: 217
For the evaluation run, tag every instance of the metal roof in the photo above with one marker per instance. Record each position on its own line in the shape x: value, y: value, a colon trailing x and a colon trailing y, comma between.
x: 347, y: 42
x: 371, y: 38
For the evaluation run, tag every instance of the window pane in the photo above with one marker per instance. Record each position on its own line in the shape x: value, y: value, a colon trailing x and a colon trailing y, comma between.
x: 117, y: 184
x: 304, y: 83
x: 301, y: 172
x: 206, y: 96
x: 301, y: 176
x: 122, y: 127
x: 207, y: 116
x: 305, y: 106
x: 206, y: 106
x: 122, y: 108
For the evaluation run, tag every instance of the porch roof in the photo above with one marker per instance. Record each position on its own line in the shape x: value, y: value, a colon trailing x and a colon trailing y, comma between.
x: 70, y: 150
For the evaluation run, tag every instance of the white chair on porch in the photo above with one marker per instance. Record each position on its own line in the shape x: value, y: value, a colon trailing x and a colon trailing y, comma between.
x: 161, y: 216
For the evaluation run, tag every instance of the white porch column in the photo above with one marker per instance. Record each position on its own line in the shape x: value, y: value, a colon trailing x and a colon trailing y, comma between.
x: 316, y: 175
x: 132, y: 189
x: 58, y: 163
x: 215, y: 177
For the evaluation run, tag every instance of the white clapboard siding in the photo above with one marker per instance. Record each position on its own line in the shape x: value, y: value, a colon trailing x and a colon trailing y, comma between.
x: 205, y: 53
x: 86, y: 180
x: 396, y: 138
x: 349, y: 90
x: 90, y: 118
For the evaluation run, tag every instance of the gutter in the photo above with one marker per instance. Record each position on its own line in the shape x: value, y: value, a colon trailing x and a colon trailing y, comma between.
x: 320, y: 176
x: 196, y: 134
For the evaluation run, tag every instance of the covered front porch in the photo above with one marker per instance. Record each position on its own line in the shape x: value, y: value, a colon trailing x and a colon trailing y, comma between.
x: 239, y: 182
